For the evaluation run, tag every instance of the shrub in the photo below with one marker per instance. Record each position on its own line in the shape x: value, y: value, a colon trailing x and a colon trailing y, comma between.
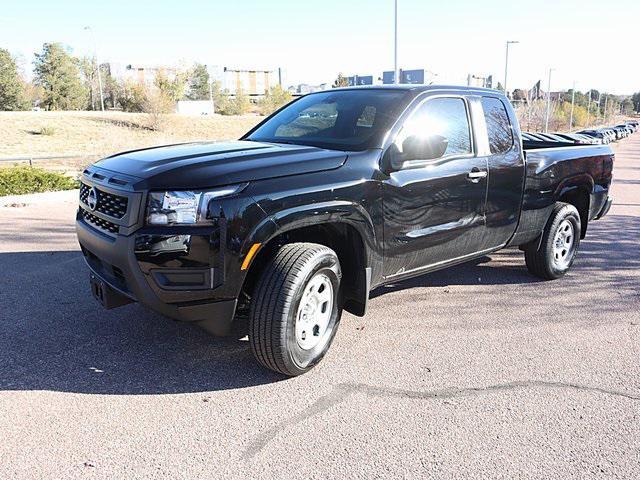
x: 156, y: 105
x: 238, y: 105
x: 274, y: 99
x: 48, y: 131
x: 21, y: 180
x: 131, y: 96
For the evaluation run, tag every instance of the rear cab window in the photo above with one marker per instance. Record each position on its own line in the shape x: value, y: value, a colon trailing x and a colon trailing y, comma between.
x: 499, y: 128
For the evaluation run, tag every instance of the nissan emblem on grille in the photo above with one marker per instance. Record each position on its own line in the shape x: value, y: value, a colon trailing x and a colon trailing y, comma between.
x: 92, y: 198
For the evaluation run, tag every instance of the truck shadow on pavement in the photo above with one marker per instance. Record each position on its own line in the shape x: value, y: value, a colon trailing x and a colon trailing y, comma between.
x: 54, y: 336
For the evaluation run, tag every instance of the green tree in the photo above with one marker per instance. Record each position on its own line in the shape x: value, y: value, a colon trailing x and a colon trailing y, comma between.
x: 274, y: 99
x: 173, y: 88
x: 57, y: 72
x: 87, y: 66
x: 220, y: 98
x: 110, y: 86
x: 341, y: 81
x: 238, y: 105
x: 12, y: 95
x: 635, y: 98
x: 198, y: 87
x: 131, y: 96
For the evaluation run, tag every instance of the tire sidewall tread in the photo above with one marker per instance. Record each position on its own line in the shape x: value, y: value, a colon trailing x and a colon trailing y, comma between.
x: 276, y: 299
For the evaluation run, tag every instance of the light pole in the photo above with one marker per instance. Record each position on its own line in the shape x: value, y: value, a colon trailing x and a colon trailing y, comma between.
x: 95, y: 56
x: 395, y: 42
x: 506, y: 66
x: 546, y: 120
x: 573, y: 101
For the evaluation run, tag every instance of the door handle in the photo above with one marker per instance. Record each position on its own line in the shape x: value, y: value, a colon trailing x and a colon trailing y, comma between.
x: 475, y: 175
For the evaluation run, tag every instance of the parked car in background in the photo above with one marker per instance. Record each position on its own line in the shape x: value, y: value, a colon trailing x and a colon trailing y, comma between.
x: 611, y: 134
x: 627, y: 128
x: 621, y: 132
x: 577, y: 138
x: 595, y: 134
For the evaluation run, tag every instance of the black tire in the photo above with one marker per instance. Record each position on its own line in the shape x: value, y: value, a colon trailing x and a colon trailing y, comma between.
x: 274, y: 308
x: 544, y: 262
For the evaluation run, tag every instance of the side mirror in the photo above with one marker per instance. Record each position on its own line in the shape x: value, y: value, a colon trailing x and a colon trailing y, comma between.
x: 424, y: 148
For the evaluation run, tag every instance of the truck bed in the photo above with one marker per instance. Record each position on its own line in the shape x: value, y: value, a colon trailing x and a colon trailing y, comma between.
x: 554, y: 170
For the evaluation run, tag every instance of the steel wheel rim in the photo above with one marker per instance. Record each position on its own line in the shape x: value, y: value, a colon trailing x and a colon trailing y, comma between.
x: 563, y: 244
x: 314, y: 312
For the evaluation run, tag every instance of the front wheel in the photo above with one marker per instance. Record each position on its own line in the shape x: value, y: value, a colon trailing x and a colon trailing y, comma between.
x: 296, y: 308
x: 559, y: 245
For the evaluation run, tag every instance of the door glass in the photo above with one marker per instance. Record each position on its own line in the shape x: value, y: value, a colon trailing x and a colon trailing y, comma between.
x: 446, y: 117
x: 498, y: 125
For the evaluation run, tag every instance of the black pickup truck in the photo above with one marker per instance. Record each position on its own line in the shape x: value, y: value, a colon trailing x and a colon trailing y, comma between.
x: 333, y: 195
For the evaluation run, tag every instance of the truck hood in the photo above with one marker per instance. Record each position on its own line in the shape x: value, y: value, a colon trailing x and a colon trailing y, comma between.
x: 207, y: 164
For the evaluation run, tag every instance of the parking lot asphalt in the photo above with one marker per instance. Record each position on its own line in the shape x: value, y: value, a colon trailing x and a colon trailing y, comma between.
x: 477, y: 371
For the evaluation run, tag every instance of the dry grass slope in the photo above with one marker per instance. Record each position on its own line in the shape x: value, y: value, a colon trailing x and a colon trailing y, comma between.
x: 97, y: 133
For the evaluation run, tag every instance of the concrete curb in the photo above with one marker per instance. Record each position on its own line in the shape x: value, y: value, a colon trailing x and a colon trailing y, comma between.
x: 39, y: 198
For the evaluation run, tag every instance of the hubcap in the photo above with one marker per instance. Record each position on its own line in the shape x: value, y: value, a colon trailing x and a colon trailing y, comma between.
x: 314, y: 311
x: 563, y: 244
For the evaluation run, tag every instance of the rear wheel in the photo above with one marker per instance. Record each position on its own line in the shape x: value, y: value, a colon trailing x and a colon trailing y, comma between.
x: 296, y: 308
x: 559, y: 245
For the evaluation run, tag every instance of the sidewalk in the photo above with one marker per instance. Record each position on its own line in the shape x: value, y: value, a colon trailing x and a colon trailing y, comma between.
x: 36, y: 198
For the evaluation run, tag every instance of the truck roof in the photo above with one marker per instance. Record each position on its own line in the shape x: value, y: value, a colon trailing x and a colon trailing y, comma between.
x: 417, y: 88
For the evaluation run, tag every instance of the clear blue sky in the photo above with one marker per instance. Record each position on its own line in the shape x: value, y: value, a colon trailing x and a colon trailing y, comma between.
x: 593, y: 42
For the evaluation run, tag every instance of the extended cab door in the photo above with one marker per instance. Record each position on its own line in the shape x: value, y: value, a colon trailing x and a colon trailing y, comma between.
x: 434, y: 208
x: 506, y: 171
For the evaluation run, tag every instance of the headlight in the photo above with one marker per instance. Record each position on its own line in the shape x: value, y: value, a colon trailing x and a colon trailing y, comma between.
x: 183, y: 207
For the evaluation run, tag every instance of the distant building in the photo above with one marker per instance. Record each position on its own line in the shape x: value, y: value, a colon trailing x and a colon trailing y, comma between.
x: 141, y: 73
x: 253, y: 82
x: 303, y: 88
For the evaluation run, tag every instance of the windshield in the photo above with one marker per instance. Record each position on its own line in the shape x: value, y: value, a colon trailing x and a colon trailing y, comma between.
x: 339, y: 120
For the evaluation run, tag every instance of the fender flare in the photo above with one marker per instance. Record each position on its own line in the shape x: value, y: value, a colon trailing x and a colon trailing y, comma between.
x: 332, y: 212
x: 574, y: 182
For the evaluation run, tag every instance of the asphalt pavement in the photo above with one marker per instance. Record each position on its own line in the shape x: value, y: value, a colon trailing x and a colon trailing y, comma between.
x: 477, y: 371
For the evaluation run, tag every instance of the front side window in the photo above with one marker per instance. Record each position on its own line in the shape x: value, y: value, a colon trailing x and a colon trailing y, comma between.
x: 341, y: 120
x: 445, y: 117
x: 498, y: 125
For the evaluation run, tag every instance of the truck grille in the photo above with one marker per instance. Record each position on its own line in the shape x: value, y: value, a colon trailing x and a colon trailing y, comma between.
x: 101, y: 224
x: 108, y: 203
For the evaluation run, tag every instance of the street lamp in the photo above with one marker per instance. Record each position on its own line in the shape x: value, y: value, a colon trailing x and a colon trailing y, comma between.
x: 506, y: 66
x: 396, y: 80
x: 95, y: 56
x: 546, y: 120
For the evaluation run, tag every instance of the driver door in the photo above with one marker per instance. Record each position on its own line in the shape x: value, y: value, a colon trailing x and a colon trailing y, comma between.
x: 434, y: 208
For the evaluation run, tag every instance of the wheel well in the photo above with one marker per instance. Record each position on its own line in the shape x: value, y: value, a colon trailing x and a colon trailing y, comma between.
x: 341, y: 237
x: 579, y: 198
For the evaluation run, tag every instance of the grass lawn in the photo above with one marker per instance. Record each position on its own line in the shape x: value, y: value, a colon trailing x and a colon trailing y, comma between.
x: 101, y: 134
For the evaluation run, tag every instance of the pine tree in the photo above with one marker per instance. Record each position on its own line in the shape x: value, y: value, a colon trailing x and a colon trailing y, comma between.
x: 198, y: 83
x: 12, y: 95
x: 57, y: 72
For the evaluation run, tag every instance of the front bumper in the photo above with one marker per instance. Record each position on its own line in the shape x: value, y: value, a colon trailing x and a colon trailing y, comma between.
x: 179, y: 273
x: 113, y: 260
